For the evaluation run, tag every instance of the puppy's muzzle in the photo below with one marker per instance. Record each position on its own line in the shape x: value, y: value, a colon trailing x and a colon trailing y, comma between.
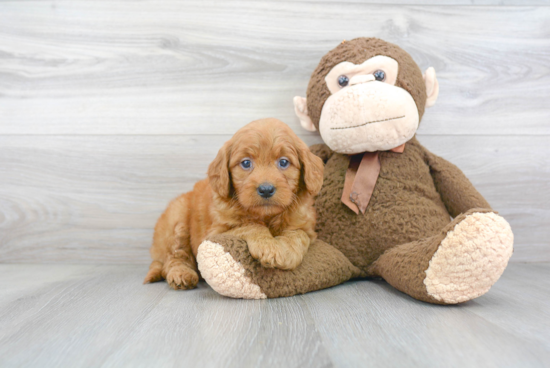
x: 266, y: 190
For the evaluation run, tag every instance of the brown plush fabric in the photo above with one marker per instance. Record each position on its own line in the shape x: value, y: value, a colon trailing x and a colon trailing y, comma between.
x: 404, y: 266
x: 405, y: 206
x: 396, y: 238
x: 449, y: 182
x: 322, y: 151
x: 322, y: 267
x: 409, y: 76
x: 406, y: 220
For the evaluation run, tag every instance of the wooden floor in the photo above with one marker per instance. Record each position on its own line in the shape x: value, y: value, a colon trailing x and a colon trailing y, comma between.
x: 91, y: 316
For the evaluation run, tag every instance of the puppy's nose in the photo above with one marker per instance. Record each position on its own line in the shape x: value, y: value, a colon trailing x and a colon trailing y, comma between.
x: 266, y: 190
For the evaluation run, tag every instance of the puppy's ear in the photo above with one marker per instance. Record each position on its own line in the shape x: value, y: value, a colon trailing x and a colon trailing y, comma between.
x: 218, y: 172
x: 312, y: 169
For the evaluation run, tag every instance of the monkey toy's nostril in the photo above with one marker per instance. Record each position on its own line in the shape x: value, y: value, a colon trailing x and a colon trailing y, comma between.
x: 266, y: 190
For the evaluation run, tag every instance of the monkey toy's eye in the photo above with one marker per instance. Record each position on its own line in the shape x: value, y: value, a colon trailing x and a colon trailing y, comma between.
x: 246, y: 164
x: 283, y: 163
x: 379, y: 75
x: 343, y: 80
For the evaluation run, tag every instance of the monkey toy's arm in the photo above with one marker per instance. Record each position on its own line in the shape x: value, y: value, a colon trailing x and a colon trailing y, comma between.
x: 322, y: 151
x: 456, y: 191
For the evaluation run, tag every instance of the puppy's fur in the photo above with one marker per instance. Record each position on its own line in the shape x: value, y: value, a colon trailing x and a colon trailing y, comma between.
x: 278, y: 229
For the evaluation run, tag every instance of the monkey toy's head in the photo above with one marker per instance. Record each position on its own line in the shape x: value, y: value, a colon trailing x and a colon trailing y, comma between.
x: 366, y: 95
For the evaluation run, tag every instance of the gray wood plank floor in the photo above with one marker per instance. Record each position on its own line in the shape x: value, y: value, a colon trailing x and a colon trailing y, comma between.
x: 92, y: 316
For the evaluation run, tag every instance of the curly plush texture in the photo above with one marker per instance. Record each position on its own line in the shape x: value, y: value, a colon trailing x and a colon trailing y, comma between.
x: 470, y: 259
x: 406, y: 266
x: 427, y: 231
x: 406, y: 236
x: 405, y: 206
x: 236, y: 274
x: 224, y: 274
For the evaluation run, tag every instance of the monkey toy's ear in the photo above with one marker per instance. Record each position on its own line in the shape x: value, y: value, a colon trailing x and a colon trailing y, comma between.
x: 432, y: 87
x: 300, y: 108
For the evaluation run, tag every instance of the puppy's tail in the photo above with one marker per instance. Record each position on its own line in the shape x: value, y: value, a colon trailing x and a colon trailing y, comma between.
x: 155, y: 272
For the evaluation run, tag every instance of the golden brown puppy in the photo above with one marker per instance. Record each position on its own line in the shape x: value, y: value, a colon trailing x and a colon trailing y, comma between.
x: 260, y: 187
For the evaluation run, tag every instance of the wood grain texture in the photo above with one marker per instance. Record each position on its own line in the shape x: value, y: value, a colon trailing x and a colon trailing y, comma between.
x: 187, y: 67
x: 101, y: 316
x: 95, y: 199
x: 108, y: 109
x: 376, y: 323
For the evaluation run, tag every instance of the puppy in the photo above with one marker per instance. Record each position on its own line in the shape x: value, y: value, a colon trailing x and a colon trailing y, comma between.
x: 260, y: 187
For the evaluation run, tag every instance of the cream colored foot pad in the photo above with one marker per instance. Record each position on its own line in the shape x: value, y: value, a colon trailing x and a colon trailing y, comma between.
x: 224, y: 274
x: 470, y: 259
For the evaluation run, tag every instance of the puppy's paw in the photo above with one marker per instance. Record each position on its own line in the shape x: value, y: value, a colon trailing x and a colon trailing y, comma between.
x: 182, y: 278
x: 276, y: 257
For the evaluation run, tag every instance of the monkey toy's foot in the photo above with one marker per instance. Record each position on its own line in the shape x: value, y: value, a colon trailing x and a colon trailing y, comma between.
x: 223, y: 273
x: 227, y: 266
x: 470, y: 259
x: 459, y: 264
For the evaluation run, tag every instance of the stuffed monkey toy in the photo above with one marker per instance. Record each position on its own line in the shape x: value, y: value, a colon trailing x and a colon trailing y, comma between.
x: 388, y: 207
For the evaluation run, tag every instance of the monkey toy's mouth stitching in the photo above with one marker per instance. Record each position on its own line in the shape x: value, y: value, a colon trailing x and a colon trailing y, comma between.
x: 368, y: 122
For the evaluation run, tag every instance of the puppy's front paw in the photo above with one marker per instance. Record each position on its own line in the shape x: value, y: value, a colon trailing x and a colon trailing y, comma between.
x: 273, y: 256
x: 182, y: 278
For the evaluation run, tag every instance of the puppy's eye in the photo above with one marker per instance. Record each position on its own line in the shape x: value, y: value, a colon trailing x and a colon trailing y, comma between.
x: 379, y: 75
x: 343, y: 80
x: 246, y: 164
x: 283, y: 163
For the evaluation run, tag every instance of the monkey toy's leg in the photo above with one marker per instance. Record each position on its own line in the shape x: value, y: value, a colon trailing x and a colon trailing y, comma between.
x: 227, y: 266
x: 460, y: 263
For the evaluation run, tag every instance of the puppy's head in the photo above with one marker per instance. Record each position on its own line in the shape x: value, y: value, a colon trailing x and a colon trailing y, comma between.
x: 265, y: 167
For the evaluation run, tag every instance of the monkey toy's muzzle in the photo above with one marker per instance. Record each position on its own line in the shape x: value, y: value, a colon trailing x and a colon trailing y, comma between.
x: 368, y: 116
